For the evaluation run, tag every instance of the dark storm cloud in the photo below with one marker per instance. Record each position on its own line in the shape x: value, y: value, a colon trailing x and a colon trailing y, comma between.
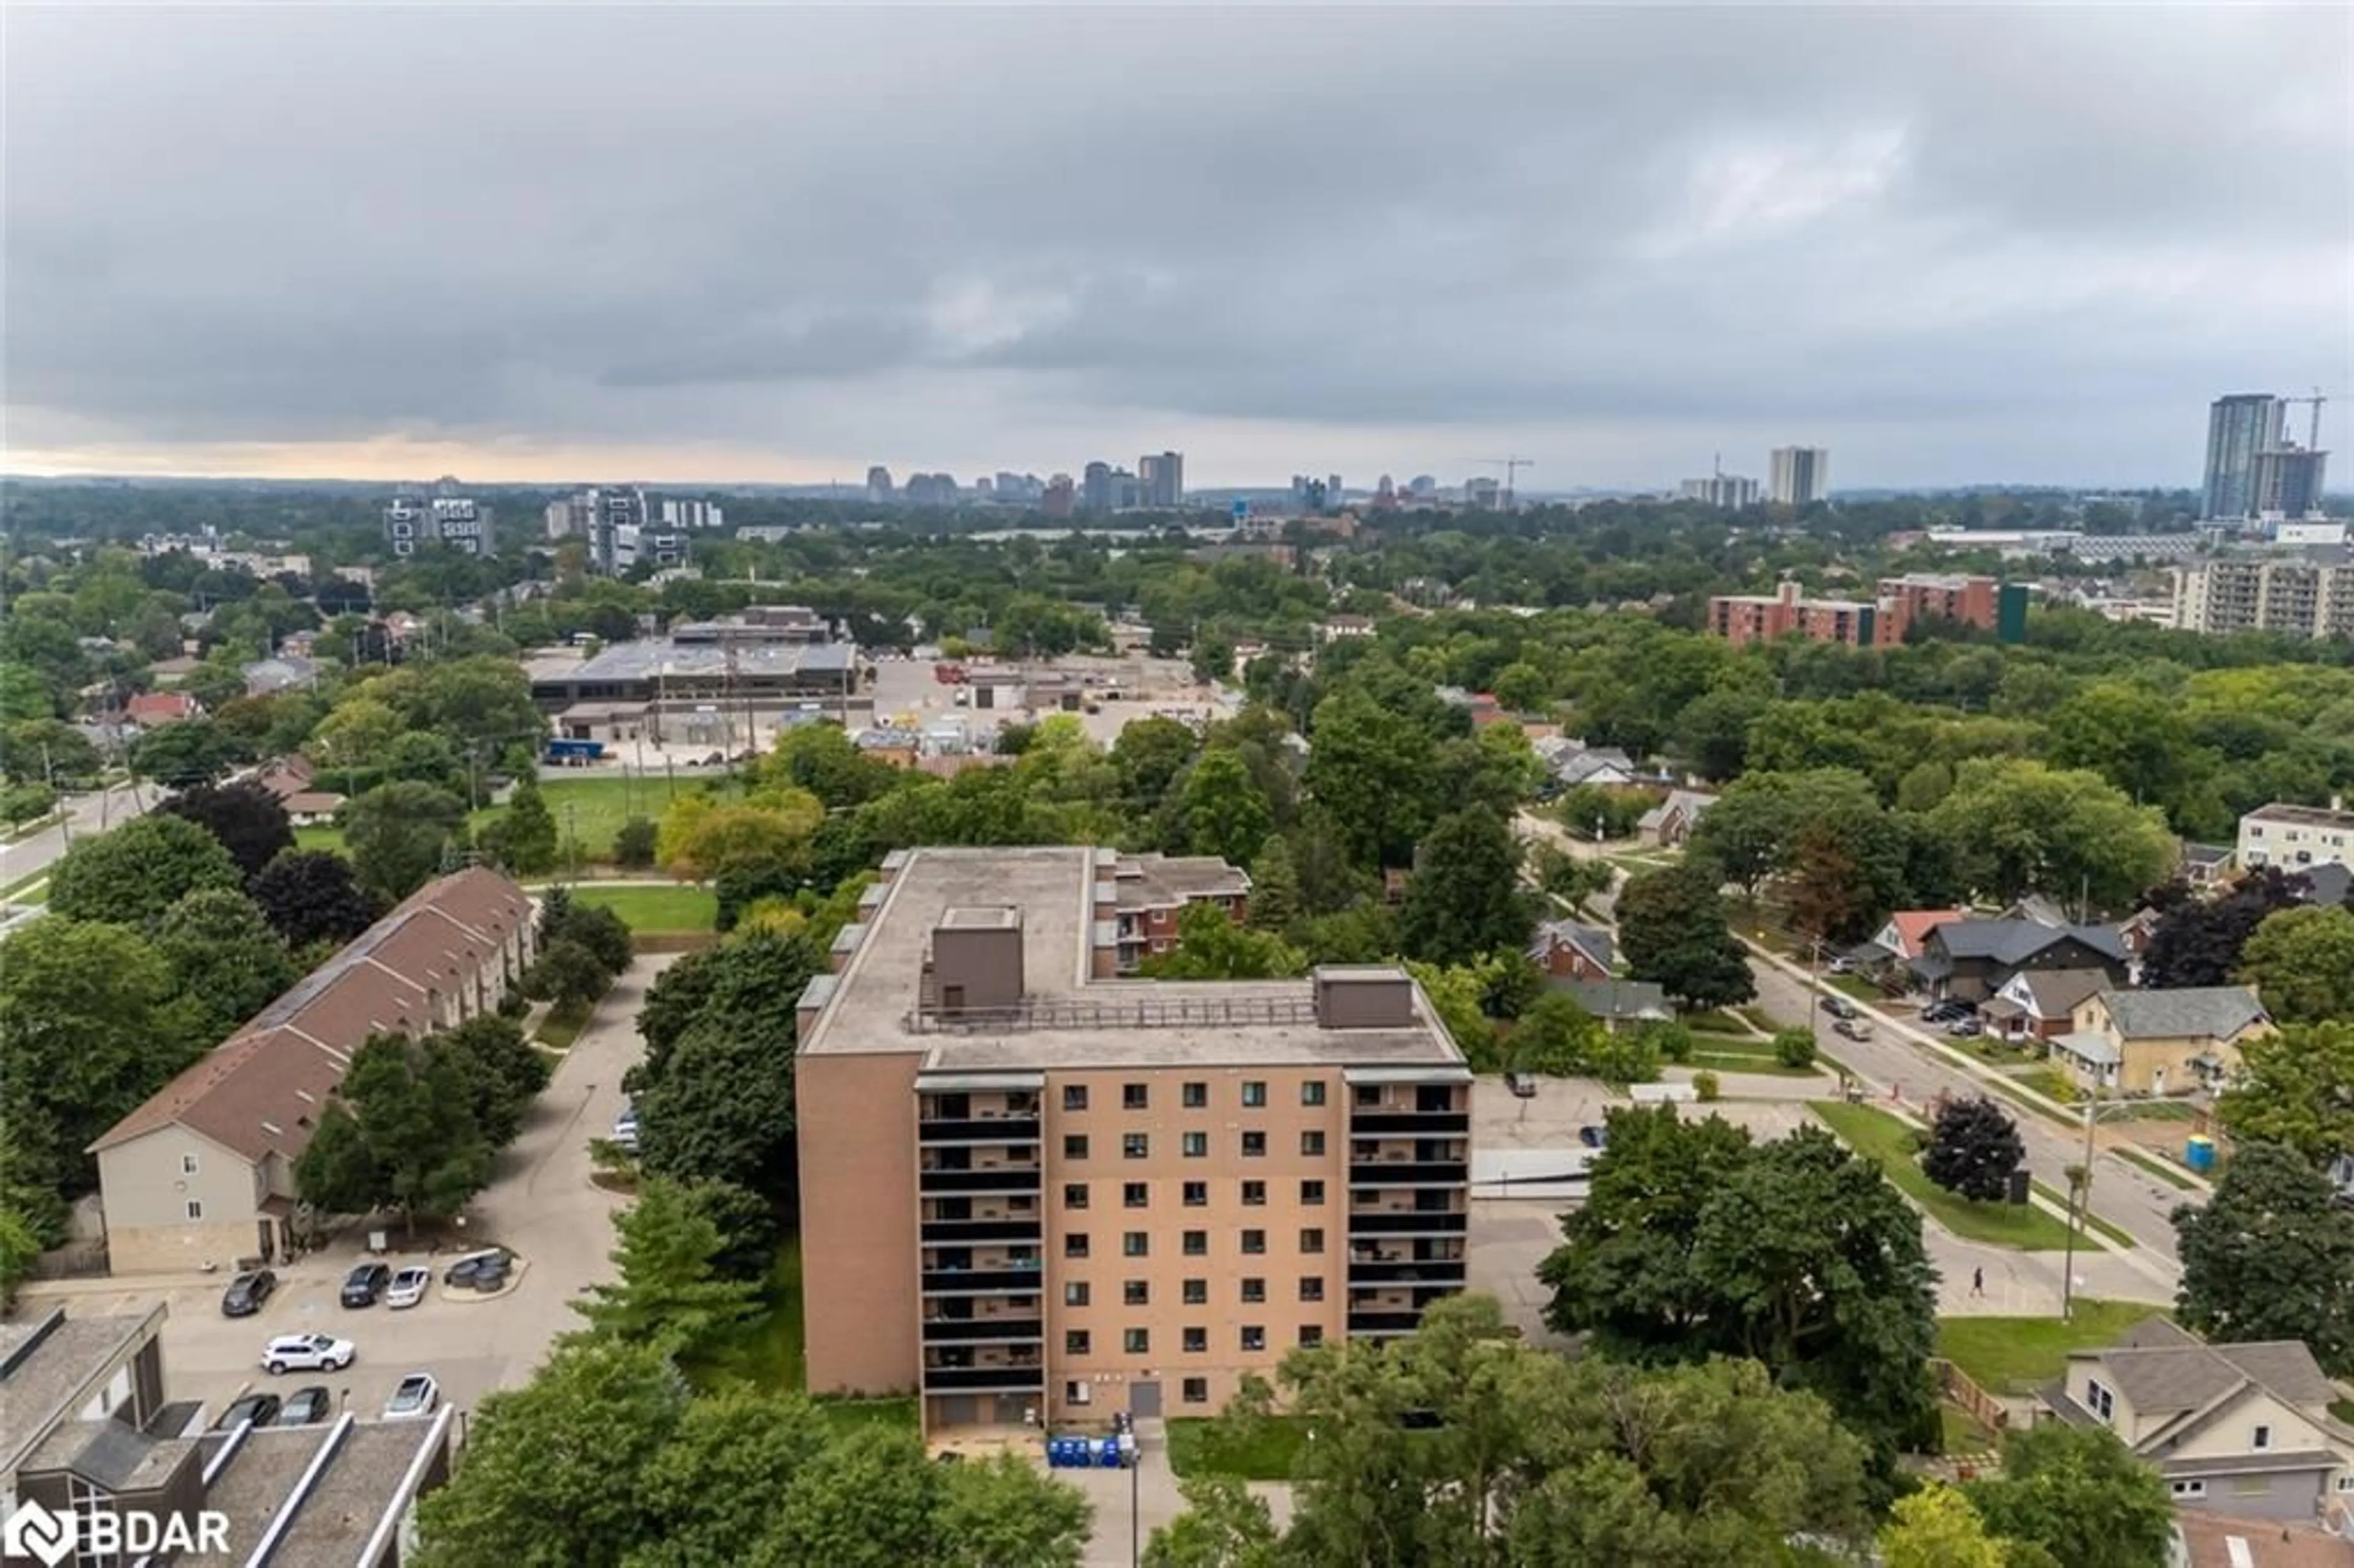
x: 1951, y: 243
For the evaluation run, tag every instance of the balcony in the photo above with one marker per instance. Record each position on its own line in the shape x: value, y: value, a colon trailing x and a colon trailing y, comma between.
x: 982, y: 1281
x: 1007, y: 1128
x: 1447, y: 1271
x: 947, y: 1179
x: 1377, y: 1323
x: 1409, y: 1122
x: 996, y: 1228
x: 1410, y: 1223
x: 980, y: 1330
x: 985, y: 1380
x: 1410, y: 1173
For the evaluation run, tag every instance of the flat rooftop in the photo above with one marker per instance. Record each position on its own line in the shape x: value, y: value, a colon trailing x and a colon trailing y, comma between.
x: 2302, y: 816
x: 1071, y: 1019
x: 648, y: 657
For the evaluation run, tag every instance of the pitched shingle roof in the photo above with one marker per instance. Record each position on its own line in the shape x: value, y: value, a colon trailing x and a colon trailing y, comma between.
x: 2159, y: 1367
x: 2057, y: 991
x: 2195, y: 1013
x: 1592, y: 940
x: 2017, y: 942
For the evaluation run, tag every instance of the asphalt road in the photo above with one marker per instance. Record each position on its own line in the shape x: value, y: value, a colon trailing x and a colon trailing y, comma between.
x: 2127, y: 1197
x: 85, y: 815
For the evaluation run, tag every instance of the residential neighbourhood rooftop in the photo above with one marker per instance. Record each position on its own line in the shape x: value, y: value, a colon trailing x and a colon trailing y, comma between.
x: 2216, y: 1011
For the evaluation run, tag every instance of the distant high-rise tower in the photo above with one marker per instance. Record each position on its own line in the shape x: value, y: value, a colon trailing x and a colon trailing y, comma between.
x: 2285, y: 483
x: 1801, y: 476
x: 1161, y: 479
x: 878, y: 485
x: 1095, y: 488
x: 1057, y: 498
x: 2238, y: 428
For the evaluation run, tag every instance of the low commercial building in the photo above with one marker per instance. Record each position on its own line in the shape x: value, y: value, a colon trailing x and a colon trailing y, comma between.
x: 699, y: 693
x: 1034, y: 1190
x: 202, y: 1174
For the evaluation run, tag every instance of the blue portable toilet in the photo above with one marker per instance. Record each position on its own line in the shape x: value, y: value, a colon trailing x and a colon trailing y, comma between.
x: 2199, y: 1153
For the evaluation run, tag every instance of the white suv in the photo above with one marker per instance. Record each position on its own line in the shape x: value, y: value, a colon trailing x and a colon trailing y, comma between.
x: 307, y: 1353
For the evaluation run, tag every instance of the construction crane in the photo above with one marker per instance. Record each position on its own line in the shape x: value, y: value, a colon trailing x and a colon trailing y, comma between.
x: 1512, y: 466
x: 2312, y: 436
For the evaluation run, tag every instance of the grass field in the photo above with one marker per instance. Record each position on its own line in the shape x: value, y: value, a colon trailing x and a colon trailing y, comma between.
x: 658, y: 908
x: 765, y: 1351
x: 1259, y: 1450
x: 595, y: 807
x: 1958, y: 1431
x: 1880, y: 1136
x: 2012, y: 1355
x: 1727, y: 1054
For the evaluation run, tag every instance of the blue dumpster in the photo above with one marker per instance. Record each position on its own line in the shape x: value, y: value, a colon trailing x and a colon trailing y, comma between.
x: 2199, y: 1153
x: 1107, y: 1455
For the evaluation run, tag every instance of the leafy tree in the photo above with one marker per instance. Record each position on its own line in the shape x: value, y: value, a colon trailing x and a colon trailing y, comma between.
x: 482, y: 703
x: 20, y: 1247
x: 1675, y: 929
x: 1973, y: 1149
x: 403, y: 1135
x: 1148, y: 756
x: 568, y: 974
x: 311, y: 896
x: 356, y: 734
x: 1211, y: 946
x: 822, y: 759
x: 1224, y: 811
x: 1369, y: 767
x: 1694, y: 1240
x: 2301, y: 962
x: 2079, y: 1494
x: 2296, y: 1088
x: 714, y: 1094
x: 523, y: 838
x: 2270, y: 1257
x: 504, y: 1072
x: 188, y: 754
x: 2197, y: 941
x: 1795, y: 1047
x: 2017, y: 827
x: 1569, y: 876
x: 1554, y: 1036
x: 1212, y: 657
x: 1457, y: 995
x: 244, y: 816
x: 1937, y: 1528
x: 225, y: 958
x: 633, y: 844
x: 138, y: 870
x: 1224, y: 1526
x: 397, y: 834
x: 671, y: 1292
x: 700, y: 837
x: 594, y: 927
x: 1466, y: 896
x: 45, y: 749
x: 1275, y: 888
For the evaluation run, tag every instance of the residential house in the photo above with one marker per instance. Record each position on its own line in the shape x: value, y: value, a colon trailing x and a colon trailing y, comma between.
x: 281, y: 672
x: 1902, y: 937
x: 1566, y: 950
x: 2037, y: 1004
x: 149, y: 709
x: 2241, y: 1429
x: 2159, y: 1042
x: 2206, y: 866
x: 2329, y: 884
x: 1619, y: 1004
x: 1669, y: 823
x: 202, y: 1174
x: 2297, y: 838
x: 1154, y: 889
x: 1570, y: 761
x: 289, y: 778
x: 1971, y: 960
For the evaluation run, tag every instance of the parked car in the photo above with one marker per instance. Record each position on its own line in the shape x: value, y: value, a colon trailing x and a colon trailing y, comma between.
x: 307, y: 1353
x: 306, y: 1407
x: 1852, y: 1029
x: 1946, y: 1010
x: 1523, y: 1086
x: 625, y: 1127
x: 407, y: 1287
x: 1840, y: 1007
x: 1842, y: 965
x: 1592, y: 1137
x: 464, y: 1271
x: 246, y: 1292
x: 1965, y: 1028
x: 364, y: 1283
x: 416, y: 1396
x: 259, y: 1409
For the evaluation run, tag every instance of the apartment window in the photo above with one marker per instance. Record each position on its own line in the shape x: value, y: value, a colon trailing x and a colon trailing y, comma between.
x: 1074, y: 1096
x: 1312, y: 1333
x: 2103, y: 1404
x: 1311, y: 1288
x: 1195, y: 1097
x: 1135, y: 1096
x: 1197, y: 1194
x: 1195, y: 1391
x: 1254, y: 1094
x: 1135, y: 1243
x: 1136, y: 1341
x: 1312, y: 1144
x: 1254, y: 1146
x: 1254, y: 1194
x: 2190, y: 1488
x: 1197, y: 1293
x: 1197, y: 1341
x: 1312, y: 1241
x: 1134, y: 1293
x: 1311, y: 1093
x: 1311, y: 1192
x: 1075, y: 1245
x: 1134, y: 1194
x: 1254, y: 1337
x: 1253, y: 1292
x: 1135, y: 1145
x: 1075, y: 1342
x: 1368, y: 1097
x: 1076, y: 1392
x: 195, y: 1209
x: 1254, y: 1241
x: 2261, y: 1438
x: 1198, y: 1244
x: 187, y: 1164
x: 1196, y: 1145
x: 1075, y: 1145
x: 1075, y: 1294
x: 1075, y: 1195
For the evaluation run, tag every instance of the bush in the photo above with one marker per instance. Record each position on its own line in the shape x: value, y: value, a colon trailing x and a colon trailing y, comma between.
x: 22, y: 803
x: 1705, y: 1085
x: 1793, y: 1047
x: 633, y: 844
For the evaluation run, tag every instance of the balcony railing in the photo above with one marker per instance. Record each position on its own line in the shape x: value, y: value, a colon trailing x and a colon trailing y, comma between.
x: 984, y: 1380
x: 1408, y: 1271
x: 957, y: 1232
x: 1410, y: 1173
x: 1410, y: 1223
x: 1383, y: 1322
x: 1411, y: 1123
x: 977, y: 1331
x: 982, y: 1281
x: 991, y: 1179
x: 980, y: 1129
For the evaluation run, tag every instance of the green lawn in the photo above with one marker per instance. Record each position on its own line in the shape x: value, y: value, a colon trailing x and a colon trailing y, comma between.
x: 2162, y: 1169
x: 2013, y: 1355
x: 595, y: 806
x: 1959, y: 1432
x: 1760, y: 1019
x: 2343, y: 1409
x: 1858, y: 987
x: 766, y: 1351
x: 1262, y: 1449
x: 323, y: 836
x: 563, y: 1025
x: 1880, y: 1136
x: 657, y: 907
x: 1711, y: 1020
x: 1727, y: 1054
x: 2049, y: 1083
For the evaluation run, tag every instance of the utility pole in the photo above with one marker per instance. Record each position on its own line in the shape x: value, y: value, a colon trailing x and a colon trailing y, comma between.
x: 2080, y: 1194
x: 572, y: 832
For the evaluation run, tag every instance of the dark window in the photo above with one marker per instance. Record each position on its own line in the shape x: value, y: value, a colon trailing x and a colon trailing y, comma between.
x: 1312, y: 1333
x: 1254, y: 1094
x: 1198, y: 1244
x: 1074, y: 1096
x: 1135, y: 1243
x: 1254, y: 1337
x: 1136, y: 1341
x: 1195, y: 1391
x: 1254, y: 1241
x: 1253, y: 1292
x: 1075, y: 1245
x: 1197, y: 1340
x: 1136, y: 1293
x: 1134, y: 1194
x: 1254, y: 1194
x: 1197, y: 1293
x: 1075, y: 1145
x: 1075, y: 1195
x: 1134, y: 1096
x: 1311, y: 1288
x: 1312, y: 1241
x: 1135, y: 1145
x: 1368, y: 1097
x: 1254, y: 1144
x: 1196, y: 1096
x: 1197, y: 1194
x: 1196, y: 1145
x: 1311, y: 1093
x: 1312, y: 1144
x: 1075, y: 1294
x: 1075, y: 1342
x: 1311, y: 1192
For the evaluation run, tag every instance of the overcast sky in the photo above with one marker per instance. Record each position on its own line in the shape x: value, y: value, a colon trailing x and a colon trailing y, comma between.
x: 571, y: 242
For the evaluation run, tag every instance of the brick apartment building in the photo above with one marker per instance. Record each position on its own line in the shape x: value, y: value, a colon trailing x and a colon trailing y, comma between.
x: 1155, y: 889
x: 1034, y: 1191
x: 1881, y: 621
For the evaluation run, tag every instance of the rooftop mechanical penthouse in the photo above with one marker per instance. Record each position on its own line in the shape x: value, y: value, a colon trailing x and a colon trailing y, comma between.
x: 1034, y: 1190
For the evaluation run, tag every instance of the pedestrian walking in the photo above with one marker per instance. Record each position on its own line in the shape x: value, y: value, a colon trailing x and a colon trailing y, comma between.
x: 1978, y: 1282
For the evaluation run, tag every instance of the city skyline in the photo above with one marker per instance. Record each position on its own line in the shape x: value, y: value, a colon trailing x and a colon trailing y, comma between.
x: 1846, y: 252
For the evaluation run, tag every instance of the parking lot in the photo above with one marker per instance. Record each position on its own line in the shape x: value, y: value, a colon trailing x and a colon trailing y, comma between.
x: 540, y: 1202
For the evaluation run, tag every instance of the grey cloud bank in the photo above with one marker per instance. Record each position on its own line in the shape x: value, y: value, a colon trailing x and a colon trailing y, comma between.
x: 1952, y: 245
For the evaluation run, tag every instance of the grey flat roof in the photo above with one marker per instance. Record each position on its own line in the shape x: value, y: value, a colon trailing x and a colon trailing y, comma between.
x: 1077, y: 1021
x: 361, y: 1481
x: 50, y: 1364
x: 644, y: 659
